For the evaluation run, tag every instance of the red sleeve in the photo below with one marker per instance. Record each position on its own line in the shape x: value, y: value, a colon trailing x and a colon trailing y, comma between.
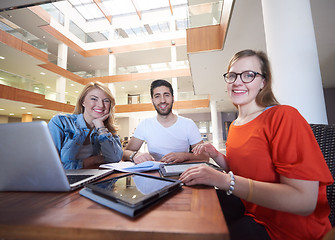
x: 295, y: 151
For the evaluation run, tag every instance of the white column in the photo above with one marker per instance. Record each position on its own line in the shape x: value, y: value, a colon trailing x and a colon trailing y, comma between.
x: 61, y: 81
x: 292, y: 51
x: 215, y: 128
x: 173, y: 62
x: 111, y: 72
x: 173, y: 65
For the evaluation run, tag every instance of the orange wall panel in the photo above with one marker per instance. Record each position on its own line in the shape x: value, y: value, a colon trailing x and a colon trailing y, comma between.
x: 140, y: 76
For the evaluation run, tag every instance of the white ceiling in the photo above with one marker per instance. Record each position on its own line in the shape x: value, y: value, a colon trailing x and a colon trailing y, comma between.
x: 207, y: 68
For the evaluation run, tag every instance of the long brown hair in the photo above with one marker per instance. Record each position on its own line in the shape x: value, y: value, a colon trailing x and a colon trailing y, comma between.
x: 265, y: 97
x: 79, y: 108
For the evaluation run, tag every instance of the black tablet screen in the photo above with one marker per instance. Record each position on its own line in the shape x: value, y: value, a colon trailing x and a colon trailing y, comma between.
x: 132, y: 189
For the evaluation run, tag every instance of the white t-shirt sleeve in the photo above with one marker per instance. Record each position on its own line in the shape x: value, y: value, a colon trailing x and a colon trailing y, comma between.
x: 140, y: 131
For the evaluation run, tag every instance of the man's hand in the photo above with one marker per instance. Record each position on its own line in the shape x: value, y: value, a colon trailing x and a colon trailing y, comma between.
x: 174, y: 157
x: 142, y: 157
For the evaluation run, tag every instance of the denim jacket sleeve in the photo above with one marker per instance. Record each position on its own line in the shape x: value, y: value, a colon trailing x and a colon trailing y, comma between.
x: 67, y: 140
x: 111, y: 147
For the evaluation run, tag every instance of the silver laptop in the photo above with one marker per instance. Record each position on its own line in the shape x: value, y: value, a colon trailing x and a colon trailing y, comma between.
x: 29, y: 161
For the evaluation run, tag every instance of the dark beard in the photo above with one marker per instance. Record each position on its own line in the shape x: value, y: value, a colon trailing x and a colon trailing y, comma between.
x: 169, y: 110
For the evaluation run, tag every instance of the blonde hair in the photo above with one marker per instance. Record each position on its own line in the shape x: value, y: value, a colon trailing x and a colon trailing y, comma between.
x: 265, y: 97
x: 79, y: 108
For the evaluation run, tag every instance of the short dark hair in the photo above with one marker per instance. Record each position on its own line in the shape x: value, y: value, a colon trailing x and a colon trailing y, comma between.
x: 159, y: 83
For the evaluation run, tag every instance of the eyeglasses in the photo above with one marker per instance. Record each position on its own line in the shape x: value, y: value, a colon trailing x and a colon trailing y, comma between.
x: 246, y: 76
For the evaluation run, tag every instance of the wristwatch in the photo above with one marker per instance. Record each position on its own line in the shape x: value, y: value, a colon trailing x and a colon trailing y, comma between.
x: 132, y: 156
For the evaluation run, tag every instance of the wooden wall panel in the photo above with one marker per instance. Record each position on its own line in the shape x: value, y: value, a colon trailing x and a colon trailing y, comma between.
x: 136, y: 47
x: 57, y: 106
x: 116, y: 49
x: 140, y: 76
x: 34, y: 52
x: 134, y: 108
x: 20, y: 95
x: 209, y: 38
x: 204, y: 39
x: 200, y: 103
x: 39, y: 11
x: 10, y: 40
x: 62, y: 72
x: 22, y: 46
x: 58, y: 35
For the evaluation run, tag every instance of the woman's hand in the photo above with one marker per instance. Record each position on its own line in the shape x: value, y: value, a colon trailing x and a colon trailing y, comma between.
x: 93, y: 162
x: 99, y: 122
x: 205, y: 148
x: 205, y: 175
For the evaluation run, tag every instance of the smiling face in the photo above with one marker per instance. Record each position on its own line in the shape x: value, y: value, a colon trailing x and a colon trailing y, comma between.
x: 96, y: 104
x: 243, y: 94
x: 162, y: 100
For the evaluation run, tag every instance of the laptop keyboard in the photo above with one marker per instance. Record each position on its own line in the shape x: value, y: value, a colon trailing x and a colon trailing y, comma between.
x: 77, y: 178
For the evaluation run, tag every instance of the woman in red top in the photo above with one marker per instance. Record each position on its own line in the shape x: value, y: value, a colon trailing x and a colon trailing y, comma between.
x: 275, y: 166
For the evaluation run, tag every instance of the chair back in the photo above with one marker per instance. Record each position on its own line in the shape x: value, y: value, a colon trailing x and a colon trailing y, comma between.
x: 325, y: 136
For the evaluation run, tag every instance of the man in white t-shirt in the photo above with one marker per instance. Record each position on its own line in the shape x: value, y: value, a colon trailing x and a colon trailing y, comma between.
x: 169, y: 137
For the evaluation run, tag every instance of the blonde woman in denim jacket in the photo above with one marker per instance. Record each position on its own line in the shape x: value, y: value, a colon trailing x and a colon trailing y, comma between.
x: 87, y: 138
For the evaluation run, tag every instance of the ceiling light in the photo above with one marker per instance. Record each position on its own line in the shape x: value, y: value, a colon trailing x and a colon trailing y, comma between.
x: 38, y: 117
x: 42, y: 73
x: 47, y: 86
x: 76, y: 91
x: 1, y: 109
x: 1, y: 57
x: 11, y: 114
x: 122, y: 87
x: 71, y: 84
x: 23, y: 108
x: 135, y: 86
x: 28, y: 112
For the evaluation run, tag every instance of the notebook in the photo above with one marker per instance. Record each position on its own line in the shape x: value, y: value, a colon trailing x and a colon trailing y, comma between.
x: 131, y: 194
x: 29, y: 161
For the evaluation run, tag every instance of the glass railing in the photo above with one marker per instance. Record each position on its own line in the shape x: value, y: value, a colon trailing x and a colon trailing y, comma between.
x: 16, y: 81
x: 22, y: 34
x: 132, y: 69
x: 204, y: 14
x: 79, y: 33
x: 54, y: 12
x: 146, y: 98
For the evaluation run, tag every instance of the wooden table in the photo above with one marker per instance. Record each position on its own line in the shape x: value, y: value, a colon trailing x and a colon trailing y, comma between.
x: 192, y: 213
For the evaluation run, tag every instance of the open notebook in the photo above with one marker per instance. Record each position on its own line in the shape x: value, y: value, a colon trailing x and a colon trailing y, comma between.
x: 29, y: 161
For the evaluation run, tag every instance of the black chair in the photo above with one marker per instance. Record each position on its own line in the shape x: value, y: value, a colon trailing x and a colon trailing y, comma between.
x: 325, y: 136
